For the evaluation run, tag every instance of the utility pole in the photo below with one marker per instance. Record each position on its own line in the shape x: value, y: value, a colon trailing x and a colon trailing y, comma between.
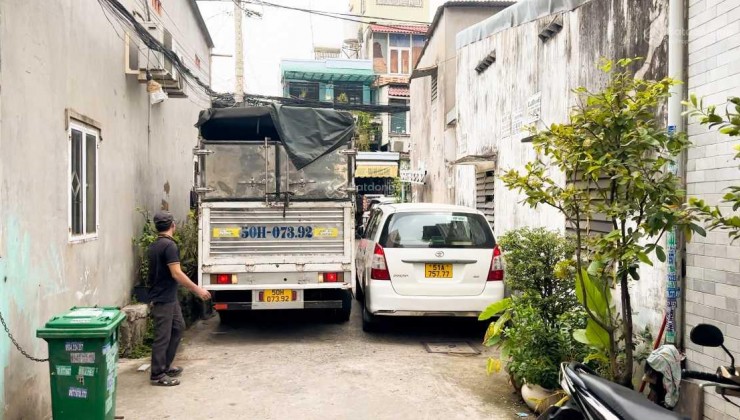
x: 239, y: 53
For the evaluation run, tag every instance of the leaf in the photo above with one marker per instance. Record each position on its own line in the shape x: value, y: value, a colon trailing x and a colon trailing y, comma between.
x: 633, y: 272
x: 595, y: 267
x: 493, y: 365
x: 593, y: 335
x: 597, y: 298
x: 494, y: 309
x: 698, y: 229
x: 660, y: 253
x: 644, y: 258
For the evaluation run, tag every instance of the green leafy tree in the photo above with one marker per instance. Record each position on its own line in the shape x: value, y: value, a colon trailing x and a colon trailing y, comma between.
x: 615, y: 156
x: 728, y: 124
x: 366, y: 131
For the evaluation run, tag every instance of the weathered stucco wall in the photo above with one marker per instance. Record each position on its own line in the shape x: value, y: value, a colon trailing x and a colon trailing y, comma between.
x: 525, y: 66
x: 59, y: 55
x: 433, y: 141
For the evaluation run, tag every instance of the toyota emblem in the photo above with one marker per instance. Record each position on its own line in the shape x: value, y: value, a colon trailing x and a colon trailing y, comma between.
x: 439, y: 254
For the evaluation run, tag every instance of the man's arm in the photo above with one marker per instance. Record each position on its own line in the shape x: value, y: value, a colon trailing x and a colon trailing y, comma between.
x: 183, y: 279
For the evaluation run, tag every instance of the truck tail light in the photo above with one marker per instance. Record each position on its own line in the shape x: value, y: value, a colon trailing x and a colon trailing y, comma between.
x: 331, y: 277
x: 379, y: 265
x: 223, y: 278
x: 496, y: 272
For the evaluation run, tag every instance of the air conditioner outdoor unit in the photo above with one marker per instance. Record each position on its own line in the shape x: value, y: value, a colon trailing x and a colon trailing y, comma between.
x: 139, y: 58
x: 399, y: 146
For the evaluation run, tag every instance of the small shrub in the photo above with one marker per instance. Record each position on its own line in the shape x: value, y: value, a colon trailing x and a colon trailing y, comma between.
x: 534, y: 330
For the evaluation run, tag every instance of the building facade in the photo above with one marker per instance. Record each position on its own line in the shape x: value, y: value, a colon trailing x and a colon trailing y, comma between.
x: 433, y: 115
x: 330, y: 80
x: 83, y: 148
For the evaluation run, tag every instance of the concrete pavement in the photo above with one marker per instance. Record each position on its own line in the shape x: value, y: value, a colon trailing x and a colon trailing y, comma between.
x: 294, y: 365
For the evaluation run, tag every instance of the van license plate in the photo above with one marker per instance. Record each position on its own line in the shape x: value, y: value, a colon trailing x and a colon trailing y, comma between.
x: 438, y: 271
x: 280, y: 295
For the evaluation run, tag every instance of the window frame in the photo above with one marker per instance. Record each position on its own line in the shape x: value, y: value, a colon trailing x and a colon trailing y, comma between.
x: 400, y: 51
x: 84, y: 130
x: 407, y: 127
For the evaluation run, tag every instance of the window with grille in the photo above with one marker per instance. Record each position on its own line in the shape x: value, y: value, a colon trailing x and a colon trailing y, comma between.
x: 304, y: 90
x: 83, y: 181
x: 348, y: 93
x: 398, y: 119
x: 484, y: 188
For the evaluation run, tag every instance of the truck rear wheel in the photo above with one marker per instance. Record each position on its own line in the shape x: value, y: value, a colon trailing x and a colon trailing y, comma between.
x: 228, y: 317
x: 342, y: 315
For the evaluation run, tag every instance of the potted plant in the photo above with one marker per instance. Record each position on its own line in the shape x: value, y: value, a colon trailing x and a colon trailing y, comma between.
x: 534, y: 329
x: 141, y: 244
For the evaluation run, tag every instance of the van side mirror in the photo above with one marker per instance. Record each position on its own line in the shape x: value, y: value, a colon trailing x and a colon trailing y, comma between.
x: 707, y: 335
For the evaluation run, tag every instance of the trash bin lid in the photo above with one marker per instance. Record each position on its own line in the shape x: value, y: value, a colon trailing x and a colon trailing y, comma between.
x: 83, y: 322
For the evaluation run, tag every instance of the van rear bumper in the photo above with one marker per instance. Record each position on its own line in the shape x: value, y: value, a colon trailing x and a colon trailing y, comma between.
x: 381, y: 299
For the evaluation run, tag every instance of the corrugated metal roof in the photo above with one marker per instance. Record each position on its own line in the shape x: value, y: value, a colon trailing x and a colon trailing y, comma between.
x: 400, y: 29
x: 520, y: 13
x: 331, y: 69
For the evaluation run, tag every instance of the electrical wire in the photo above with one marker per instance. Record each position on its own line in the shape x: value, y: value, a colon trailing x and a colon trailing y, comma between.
x: 339, y: 16
x: 336, y: 15
x: 187, y: 49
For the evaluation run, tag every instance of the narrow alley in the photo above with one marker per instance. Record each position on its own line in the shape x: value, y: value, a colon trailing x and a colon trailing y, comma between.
x: 274, y: 366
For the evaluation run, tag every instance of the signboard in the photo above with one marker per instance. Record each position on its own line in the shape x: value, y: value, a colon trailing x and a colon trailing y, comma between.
x: 412, y: 177
x: 534, y: 108
x: 376, y: 171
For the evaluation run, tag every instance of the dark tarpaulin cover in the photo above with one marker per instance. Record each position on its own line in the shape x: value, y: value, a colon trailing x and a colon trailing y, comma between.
x: 306, y: 133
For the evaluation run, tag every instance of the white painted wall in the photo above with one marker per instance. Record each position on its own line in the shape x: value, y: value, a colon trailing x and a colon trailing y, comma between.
x: 58, y: 55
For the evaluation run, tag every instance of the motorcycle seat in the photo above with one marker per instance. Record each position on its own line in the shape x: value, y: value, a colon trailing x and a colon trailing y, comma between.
x: 626, y: 403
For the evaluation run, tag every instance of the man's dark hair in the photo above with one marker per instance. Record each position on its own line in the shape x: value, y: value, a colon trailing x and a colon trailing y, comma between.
x: 163, y: 221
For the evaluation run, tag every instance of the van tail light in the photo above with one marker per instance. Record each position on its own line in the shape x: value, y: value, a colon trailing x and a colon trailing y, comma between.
x: 379, y: 265
x: 496, y: 272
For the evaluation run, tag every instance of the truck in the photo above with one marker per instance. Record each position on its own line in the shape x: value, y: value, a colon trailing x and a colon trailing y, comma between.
x: 275, y: 197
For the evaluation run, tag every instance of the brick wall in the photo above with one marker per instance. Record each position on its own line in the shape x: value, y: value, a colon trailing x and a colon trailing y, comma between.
x: 713, y: 264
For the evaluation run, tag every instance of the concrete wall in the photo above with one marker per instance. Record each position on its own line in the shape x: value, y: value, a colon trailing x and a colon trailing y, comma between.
x: 525, y: 66
x: 58, y: 55
x: 433, y: 142
x: 713, y: 263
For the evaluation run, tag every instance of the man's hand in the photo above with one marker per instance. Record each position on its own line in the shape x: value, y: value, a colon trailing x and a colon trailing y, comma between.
x: 203, y: 294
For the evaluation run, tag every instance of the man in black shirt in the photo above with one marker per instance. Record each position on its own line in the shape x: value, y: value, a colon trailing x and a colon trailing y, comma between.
x: 165, y: 274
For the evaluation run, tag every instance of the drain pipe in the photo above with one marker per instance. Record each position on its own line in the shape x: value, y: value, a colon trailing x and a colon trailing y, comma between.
x: 675, y: 243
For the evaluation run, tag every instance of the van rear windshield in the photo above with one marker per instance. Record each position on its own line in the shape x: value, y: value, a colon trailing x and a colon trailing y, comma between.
x: 436, y: 230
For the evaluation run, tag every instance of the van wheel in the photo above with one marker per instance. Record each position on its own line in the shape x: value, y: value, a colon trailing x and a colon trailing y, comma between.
x: 342, y: 315
x: 369, y: 321
x: 358, y: 291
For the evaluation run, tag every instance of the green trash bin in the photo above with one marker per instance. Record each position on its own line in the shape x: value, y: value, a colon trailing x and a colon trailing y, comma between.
x: 83, y: 357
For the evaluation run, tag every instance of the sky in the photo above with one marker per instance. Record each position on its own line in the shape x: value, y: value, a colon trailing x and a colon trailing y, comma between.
x: 278, y: 34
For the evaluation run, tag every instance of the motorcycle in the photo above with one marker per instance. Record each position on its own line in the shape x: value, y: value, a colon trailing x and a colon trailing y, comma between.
x: 591, y: 397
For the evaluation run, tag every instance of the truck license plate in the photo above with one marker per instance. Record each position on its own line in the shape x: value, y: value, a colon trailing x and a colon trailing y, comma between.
x: 438, y: 271
x: 279, y: 295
